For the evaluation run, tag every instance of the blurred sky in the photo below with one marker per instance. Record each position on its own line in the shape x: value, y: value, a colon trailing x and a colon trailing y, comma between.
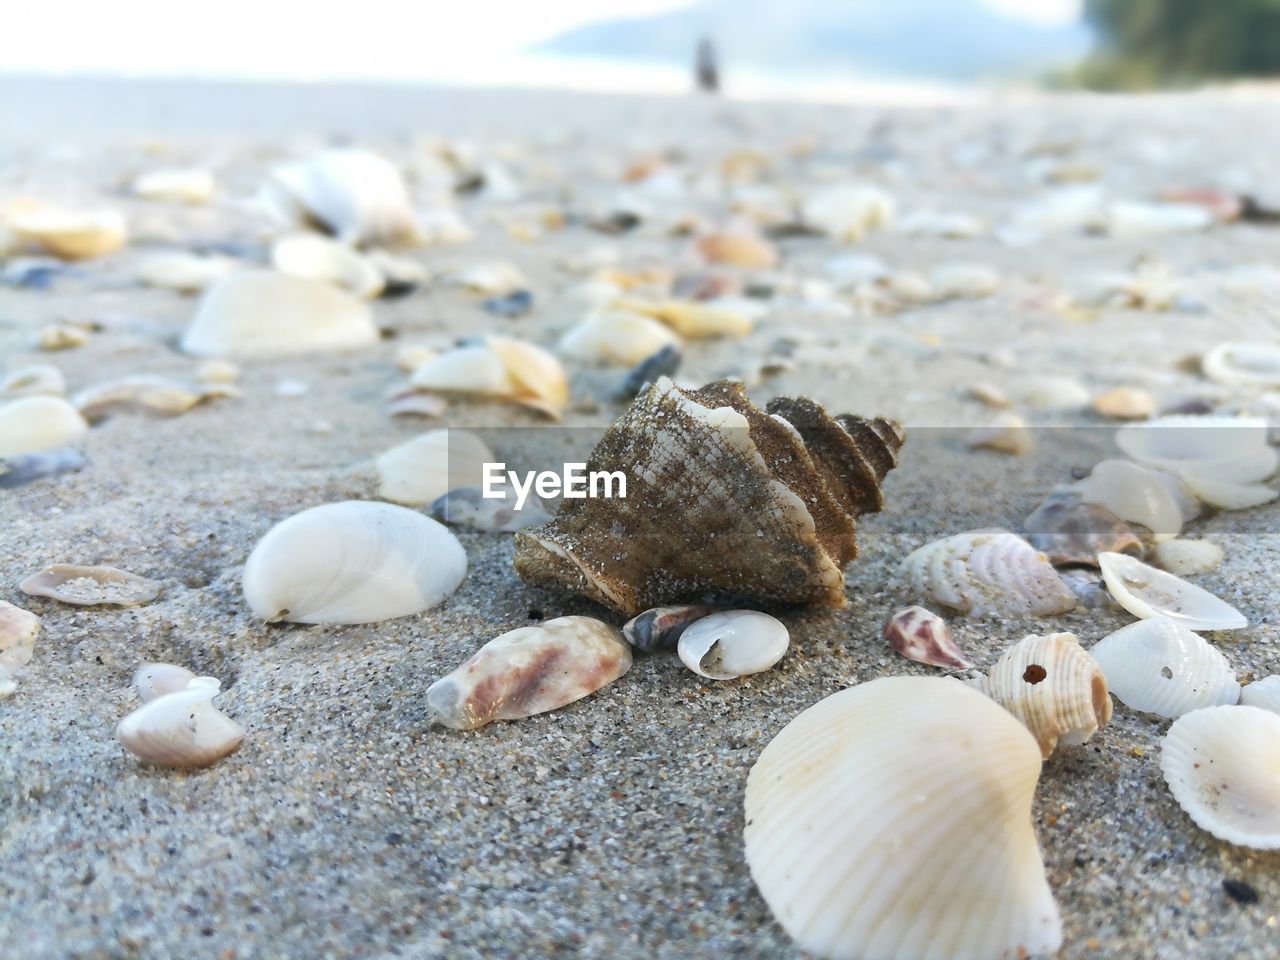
x: 453, y: 41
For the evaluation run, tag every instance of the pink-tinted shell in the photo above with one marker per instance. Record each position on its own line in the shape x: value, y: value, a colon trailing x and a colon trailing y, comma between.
x: 923, y: 636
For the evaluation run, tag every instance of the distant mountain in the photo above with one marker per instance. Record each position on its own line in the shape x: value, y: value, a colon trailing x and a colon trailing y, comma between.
x: 946, y: 39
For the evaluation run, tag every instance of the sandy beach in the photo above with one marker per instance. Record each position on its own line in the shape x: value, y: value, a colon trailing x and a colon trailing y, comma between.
x: 346, y: 825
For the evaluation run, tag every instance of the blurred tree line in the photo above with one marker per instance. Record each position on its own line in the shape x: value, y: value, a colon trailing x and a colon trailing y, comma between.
x: 1156, y: 43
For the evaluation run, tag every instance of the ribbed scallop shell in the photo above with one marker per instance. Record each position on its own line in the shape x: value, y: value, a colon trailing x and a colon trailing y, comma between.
x: 1222, y: 765
x: 1056, y: 689
x: 721, y: 498
x: 1157, y: 666
x: 986, y: 573
x: 892, y: 821
x: 352, y: 562
x: 1264, y: 693
x: 1147, y: 592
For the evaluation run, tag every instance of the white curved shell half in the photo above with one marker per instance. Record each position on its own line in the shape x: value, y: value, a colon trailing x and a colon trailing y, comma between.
x: 733, y: 643
x: 181, y: 729
x: 37, y: 423
x: 1136, y: 494
x: 1234, y: 449
x: 1147, y: 592
x: 1264, y: 693
x: 420, y: 470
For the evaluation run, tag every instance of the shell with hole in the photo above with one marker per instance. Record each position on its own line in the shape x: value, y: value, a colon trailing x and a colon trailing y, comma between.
x: 1147, y: 592
x: 986, y: 573
x: 528, y: 671
x: 1069, y: 530
x: 733, y: 643
x: 72, y: 234
x: 616, y: 338
x: 883, y: 820
x: 502, y: 368
x: 182, y: 729
x: 90, y: 586
x: 352, y: 562
x: 427, y: 467
x: 1054, y: 687
x: 18, y: 631
x: 1157, y: 666
x: 314, y: 257
x: 356, y: 195
x: 722, y: 498
x: 923, y: 636
x: 1222, y: 765
x: 261, y: 313
x: 38, y: 423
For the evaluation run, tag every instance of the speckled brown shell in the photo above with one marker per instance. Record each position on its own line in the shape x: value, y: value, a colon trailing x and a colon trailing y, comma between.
x: 722, y: 498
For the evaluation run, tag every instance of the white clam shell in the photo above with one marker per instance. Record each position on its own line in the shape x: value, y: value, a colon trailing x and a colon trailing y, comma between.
x: 986, y: 573
x: 1233, y: 449
x: 427, y: 467
x: 1243, y: 363
x: 261, y: 313
x: 34, y: 424
x: 1147, y: 592
x: 72, y: 234
x: 616, y: 338
x: 1264, y: 693
x: 182, y: 729
x: 34, y: 380
x: 1184, y: 558
x: 733, y: 643
x: 352, y: 562
x: 154, y: 680
x: 314, y: 257
x: 1157, y: 666
x: 182, y: 271
x: 1222, y: 765
x: 847, y: 211
x: 176, y: 185
x: 893, y: 820
x: 90, y: 586
x: 499, y: 367
x: 1136, y: 494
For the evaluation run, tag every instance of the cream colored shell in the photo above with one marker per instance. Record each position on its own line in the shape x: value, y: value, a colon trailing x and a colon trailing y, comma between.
x: 502, y: 368
x: 182, y: 729
x: 616, y: 338
x: 37, y: 423
x: 1147, y: 592
x: 420, y: 470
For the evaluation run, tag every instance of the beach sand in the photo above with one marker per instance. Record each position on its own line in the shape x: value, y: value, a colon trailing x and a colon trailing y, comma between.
x: 346, y: 826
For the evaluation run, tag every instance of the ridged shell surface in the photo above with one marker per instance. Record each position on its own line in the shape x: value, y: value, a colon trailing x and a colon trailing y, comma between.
x: 892, y: 821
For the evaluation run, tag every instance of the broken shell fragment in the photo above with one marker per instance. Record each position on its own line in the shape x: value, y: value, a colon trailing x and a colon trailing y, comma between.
x: 1007, y: 433
x: 1222, y: 765
x: 528, y: 671
x: 1243, y: 363
x: 429, y: 466
x: 1232, y: 449
x: 314, y: 257
x: 660, y: 628
x: 986, y: 573
x: 1147, y: 592
x: 721, y: 497
x: 1185, y: 558
x: 616, y: 338
x: 691, y: 319
x: 850, y: 809
x: 18, y: 631
x: 1157, y: 666
x: 157, y: 396
x: 469, y: 507
x: 923, y: 636
x: 733, y: 643
x: 352, y: 562
x: 39, y: 379
x: 664, y: 363
x: 158, y: 679
x: 1224, y: 494
x: 1069, y: 530
x: 963, y: 281
x: 61, y: 336
x: 1264, y: 693
x: 1054, y: 687
x: 261, y: 313
x: 89, y: 586
x: 183, y: 729
x: 39, y: 423
x: 178, y: 185
x: 72, y: 234
x: 1125, y: 403
x: 502, y: 368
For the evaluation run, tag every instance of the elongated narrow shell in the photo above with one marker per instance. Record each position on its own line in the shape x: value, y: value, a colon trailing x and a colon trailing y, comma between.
x: 893, y: 820
x: 616, y: 338
x: 155, y: 680
x: 502, y: 368
x: 157, y: 396
x: 660, y: 628
x: 314, y: 257
x: 260, y: 313
x: 181, y: 729
x: 923, y: 636
x: 1222, y: 765
x: 528, y: 671
x: 1147, y: 592
x: 733, y: 643
x: 986, y: 573
x: 89, y: 586
x: 35, y: 424
x: 427, y: 467
x: 1158, y: 666
x: 73, y: 234
x: 176, y: 185
x: 352, y: 562
x: 1136, y: 494
x: 721, y: 498
x: 1264, y: 693
x: 1231, y: 449
x: 1069, y: 530
x: 182, y: 271
x: 1054, y: 687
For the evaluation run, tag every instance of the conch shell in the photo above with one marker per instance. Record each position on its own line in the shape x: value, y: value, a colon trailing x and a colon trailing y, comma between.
x: 721, y: 498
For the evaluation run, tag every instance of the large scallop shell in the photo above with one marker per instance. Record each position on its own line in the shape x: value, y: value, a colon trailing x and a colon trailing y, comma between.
x: 260, y: 313
x: 986, y: 573
x: 721, y: 498
x: 1147, y: 592
x: 1222, y: 765
x: 1056, y: 689
x: 1264, y: 693
x: 182, y: 729
x: 38, y: 423
x: 893, y: 820
x: 352, y: 562
x: 427, y: 467
x: 1157, y: 666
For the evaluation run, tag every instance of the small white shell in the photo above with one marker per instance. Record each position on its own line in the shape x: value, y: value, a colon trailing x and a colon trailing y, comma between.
x: 847, y: 211
x: 36, y: 380
x: 352, y: 562
x: 1049, y: 393
x: 499, y: 367
x: 964, y: 281
x: 1136, y: 494
x: 1264, y: 693
x: 1224, y: 494
x: 1243, y: 363
x: 1147, y: 592
x: 34, y: 424
x: 893, y: 819
x: 181, y: 729
x: 1007, y: 432
x: 260, y: 313
x: 158, y: 679
x: 427, y: 467
x: 182, y: 271
x: 1157, y: 666
x: 89, y: 586
x: 616, y: 338
x: 1132, y: 219
x: 986, y: 573
x: 1054, y: 687
x: 1222, y: 765
x: 314, y: 257
x: 177, y: 185
x: 1233, y: 449
x: 72, y: 234
x: 1185, y: 558
x: 733, y: 643
x: 692, y: 319
x: 494, y: 278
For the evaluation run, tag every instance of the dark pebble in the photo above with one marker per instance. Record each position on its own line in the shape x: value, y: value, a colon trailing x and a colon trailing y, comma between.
x: 1239, y: 891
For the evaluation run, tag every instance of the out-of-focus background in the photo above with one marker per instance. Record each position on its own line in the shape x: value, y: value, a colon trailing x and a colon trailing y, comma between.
x: 824, y: 49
